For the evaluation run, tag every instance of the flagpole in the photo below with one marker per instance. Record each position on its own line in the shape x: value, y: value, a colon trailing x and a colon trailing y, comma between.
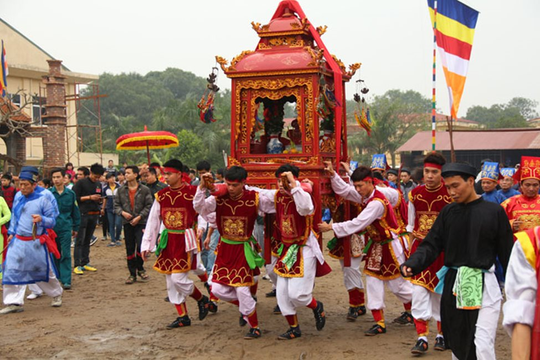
x: 434, y: 98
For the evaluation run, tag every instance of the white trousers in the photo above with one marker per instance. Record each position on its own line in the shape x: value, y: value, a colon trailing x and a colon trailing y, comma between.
x: 35, y: 289
x: 200, y: 270
x: 425, y: 304
x: 296, y: 292
x: 179, y: 287
x: 352, y: 276
x: 231, y: 293
x: 375, y: 291
x: 14, y: 294
x: 270, y: 271
x: 488, y: 319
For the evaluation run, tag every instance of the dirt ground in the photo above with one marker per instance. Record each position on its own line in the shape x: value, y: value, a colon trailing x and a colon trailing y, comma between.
x: 102, y: 318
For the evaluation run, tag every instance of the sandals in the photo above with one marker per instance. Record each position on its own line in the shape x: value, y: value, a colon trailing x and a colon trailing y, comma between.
x: 143, y: 275
x: 130, y: 280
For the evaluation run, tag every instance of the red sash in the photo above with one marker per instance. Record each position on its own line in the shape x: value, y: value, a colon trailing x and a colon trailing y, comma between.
x: 47, y: 239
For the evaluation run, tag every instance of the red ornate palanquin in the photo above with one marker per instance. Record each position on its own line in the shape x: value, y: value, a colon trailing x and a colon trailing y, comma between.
x: 290, y: 63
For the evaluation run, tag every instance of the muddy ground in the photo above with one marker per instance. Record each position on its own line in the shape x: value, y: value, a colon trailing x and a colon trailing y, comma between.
x: 102, y: 318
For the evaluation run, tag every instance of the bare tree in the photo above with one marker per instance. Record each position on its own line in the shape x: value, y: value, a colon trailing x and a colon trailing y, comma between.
x: 11, y: 122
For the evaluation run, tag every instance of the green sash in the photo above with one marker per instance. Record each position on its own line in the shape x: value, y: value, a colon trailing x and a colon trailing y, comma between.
x: 164, y: 238
x: 332, y: 243
x: 468, y: 288
x: 252, y: 257
x: 290, y: 257
x: 370, y: 242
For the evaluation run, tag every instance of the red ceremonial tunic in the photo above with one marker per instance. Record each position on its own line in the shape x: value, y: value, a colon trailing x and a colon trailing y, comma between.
x: 400, y: 211
x: 235, y: 221
x: 427, y: 204
x: 338, y: 252
x: 294, y: 229
x: 275, y: 240
x: 381, y: 262
x: 524, y: 209
x: 177, y: 214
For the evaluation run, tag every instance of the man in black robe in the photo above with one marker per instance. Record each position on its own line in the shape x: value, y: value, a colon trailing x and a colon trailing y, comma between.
x: 471, y: 232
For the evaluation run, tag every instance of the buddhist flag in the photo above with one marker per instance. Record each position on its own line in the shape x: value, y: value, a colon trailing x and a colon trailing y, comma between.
x: 454, y: 24
x: 4, y: 74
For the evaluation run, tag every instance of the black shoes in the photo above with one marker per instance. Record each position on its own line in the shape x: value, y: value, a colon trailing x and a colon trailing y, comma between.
x: 212, y: 307
x: 253, y: 333
x: 179, y: 322
x: 355, y: 312
x: 242, y: 322
x: 440, y: 345
x: 320, y: 317
x: 203, y: 307
x: 420, y: 347
x: 292, y: 333
x: 271, y: 293
x: 277, y: 310
x: 375, y: 330
x: 404, y: 319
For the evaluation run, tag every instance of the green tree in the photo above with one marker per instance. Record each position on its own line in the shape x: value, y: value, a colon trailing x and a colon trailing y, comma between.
x: 527, y: 107
x: 397, y: 116
x: 180, y: 83
x: 513, y: 114
x: 191, y: 149
x: 137, y: 98
x: 184, y: 115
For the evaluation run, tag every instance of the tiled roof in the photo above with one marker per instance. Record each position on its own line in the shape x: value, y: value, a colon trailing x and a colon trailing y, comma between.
x: 500, y: 139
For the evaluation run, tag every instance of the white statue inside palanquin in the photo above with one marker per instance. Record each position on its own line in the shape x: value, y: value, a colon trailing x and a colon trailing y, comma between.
x: 276, y: 129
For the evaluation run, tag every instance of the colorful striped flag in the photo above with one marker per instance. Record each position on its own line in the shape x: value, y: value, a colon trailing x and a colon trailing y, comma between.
x: 3, y: 77
x: 454, y: 24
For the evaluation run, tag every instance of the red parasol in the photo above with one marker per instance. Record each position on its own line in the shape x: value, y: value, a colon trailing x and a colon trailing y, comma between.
x: 147, y: 140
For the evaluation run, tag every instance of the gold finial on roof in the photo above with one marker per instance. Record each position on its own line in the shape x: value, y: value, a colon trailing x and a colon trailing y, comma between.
x: 322, y: 29
x: 222, y: 62
x: 353, y: 68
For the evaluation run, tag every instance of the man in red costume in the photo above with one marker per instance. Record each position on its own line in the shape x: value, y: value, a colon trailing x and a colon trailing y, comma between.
x: 236, y: 262
x: 521, y: 310
x: 425, y: 203
x: 177, y: 248
x: 524, y: 210
x: 299, y: 255
x: 384, y: 251
x: 352, y: 275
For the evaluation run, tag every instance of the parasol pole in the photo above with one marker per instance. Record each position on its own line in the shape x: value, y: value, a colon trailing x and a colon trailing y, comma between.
x: 147, y: 152
x: 434, y: 98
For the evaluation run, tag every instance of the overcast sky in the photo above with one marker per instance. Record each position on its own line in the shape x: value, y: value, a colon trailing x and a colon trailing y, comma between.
x: 392, y: 39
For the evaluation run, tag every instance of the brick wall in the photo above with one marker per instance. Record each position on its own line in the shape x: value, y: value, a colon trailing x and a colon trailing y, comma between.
x: 54, y: 141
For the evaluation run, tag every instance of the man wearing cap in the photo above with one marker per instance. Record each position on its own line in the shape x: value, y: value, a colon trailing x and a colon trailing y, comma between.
x: 32, y: 240
x: 524, y: 210
x: 489, y: 176
x: 392, y: 176
x: 425, y: 203
x: 472, y: 232
x: 507, y: 183
x: 177, y: 247
x: 380, y: 165
x: 384, y: 251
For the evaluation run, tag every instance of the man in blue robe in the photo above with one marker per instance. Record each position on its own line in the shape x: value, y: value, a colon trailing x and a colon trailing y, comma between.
x: 31, y: 243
